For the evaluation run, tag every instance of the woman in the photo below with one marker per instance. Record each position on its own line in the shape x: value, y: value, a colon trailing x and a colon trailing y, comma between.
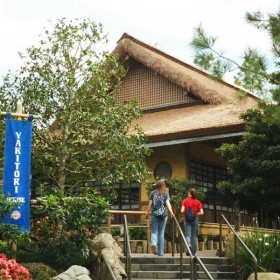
x: 191, y: 226
x: 159, y: 199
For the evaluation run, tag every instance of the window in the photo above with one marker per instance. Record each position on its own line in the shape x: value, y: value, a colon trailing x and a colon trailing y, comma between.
x: 208, y: 177
x: 127, y: 195
x: 163, y: 170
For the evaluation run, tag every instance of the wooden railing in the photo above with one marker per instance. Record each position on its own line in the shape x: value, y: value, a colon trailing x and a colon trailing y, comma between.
x: 129, y: 212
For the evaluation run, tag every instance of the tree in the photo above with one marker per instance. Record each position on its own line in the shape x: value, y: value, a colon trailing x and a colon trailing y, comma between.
x: 254, y: 165
x: 7, y: 103
x: 251, y: 73
x: 254, y: 162
x: 82, y: 134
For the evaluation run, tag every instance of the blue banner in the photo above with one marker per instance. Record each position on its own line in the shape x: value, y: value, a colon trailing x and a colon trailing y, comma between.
x: 16, y: 179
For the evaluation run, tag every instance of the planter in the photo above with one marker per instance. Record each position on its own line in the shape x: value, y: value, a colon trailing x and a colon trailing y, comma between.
x: 216, y: 245
x: 201, y: 246
x: 210, y: 245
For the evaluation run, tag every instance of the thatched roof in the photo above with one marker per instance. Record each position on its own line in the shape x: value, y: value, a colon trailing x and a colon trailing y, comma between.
x: 185, y: 122
x: 222, y: 103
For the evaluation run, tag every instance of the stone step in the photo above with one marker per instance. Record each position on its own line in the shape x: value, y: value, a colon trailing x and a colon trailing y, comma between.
x: 176, y: 267
x: 148, y: 266
x: 176, y: 275
x: 168, y: 259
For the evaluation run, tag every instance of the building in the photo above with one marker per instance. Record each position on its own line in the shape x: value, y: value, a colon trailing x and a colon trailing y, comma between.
x: 187, y: 115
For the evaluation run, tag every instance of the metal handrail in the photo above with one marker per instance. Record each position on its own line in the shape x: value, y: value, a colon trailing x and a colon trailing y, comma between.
x: 108, y: 267
x: 236, y: 236
x: 127, y: 250
x: 193, y: 259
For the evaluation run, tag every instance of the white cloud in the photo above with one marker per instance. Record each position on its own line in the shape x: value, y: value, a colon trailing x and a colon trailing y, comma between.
x: 167, y: 24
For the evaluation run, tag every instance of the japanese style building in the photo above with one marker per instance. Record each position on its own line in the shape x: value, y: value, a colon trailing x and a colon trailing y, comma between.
x: 187, y: 115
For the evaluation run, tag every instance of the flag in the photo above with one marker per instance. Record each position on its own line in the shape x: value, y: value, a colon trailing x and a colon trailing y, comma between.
x: 16, y: 178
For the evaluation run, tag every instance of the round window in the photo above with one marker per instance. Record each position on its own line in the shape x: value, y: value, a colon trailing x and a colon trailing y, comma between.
x: 163, y: 170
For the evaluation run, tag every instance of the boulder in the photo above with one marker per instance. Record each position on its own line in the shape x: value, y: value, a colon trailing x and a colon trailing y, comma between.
x: 265, y: 276
x: 75, y: 272
x: 105, y: 245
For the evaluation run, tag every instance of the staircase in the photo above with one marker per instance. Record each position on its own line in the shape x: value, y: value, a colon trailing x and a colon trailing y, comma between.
x: 148, y: 267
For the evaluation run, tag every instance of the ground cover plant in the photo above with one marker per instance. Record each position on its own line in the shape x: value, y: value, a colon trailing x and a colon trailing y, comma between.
x: 266, y: 248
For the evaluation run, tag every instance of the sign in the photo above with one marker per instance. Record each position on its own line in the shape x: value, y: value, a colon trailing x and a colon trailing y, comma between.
x: 16, y: 179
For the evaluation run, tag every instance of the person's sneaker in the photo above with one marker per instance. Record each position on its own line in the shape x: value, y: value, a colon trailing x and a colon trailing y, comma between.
x: 154, y: 249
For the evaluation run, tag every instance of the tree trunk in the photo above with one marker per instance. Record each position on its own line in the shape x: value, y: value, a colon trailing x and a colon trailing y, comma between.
x: 237, y: 216
x: 62, y: 161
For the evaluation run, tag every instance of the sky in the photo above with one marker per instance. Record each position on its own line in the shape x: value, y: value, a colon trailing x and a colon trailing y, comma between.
x: 168, y: 25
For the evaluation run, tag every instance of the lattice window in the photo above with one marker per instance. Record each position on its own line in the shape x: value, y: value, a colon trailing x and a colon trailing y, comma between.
x: 208, y: 177
x: 150, y: 89
x: 127, y: 195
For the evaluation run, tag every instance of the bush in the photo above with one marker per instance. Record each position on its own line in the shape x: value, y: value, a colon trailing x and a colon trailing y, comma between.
x: 63, y: 228
x: 40, y: 271
x: 10, y: 269
x: 265, y: 247
x: 138, y: 233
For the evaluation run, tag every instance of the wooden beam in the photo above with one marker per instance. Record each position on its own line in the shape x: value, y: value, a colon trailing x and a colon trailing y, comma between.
x: 20, y: 115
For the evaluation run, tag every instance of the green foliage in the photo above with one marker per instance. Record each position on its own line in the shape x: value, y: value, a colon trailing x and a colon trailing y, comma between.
x: 265, y: 247
x: 249, y: 76
x: 138, y: 233
x: 252, y: 72
x: 205, y: 55
x: 179, y: 191
x: 6, y: 205
x: 63, y: 228
x: 40, y: 271
x: 254, y: 165
x: 9, y: 235
x: 82, y: 134
x: 115, y: 231
x: 215, y: 238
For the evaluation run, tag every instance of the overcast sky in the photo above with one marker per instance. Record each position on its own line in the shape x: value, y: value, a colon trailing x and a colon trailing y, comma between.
x: 166, y: 24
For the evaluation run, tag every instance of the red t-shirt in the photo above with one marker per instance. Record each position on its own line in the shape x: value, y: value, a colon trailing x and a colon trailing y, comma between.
x: 190, y: 202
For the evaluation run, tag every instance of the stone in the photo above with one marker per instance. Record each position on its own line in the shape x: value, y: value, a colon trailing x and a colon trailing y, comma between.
x: 75, y: 272
x: 105, y: 245
x: 265, y: 276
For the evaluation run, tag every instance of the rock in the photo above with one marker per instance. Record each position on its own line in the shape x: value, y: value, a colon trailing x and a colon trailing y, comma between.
x: 265, y: 276
x: 105, y: 245
x: 75, y: 272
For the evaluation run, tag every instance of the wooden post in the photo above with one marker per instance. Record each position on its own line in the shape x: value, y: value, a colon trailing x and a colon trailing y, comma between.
x: 109, y: 223
x: 19, y: 110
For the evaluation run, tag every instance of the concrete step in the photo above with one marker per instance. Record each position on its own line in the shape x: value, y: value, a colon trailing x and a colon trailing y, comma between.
x: 149, y: 266
x: 176, y: 275
x: 176, y: 267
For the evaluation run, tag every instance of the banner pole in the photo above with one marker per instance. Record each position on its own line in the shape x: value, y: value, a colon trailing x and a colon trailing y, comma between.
x: 19, y: 113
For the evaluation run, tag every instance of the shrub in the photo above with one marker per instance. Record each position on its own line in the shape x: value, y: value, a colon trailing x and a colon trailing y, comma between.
x: 40, y: 271
x: 138, y: 233
x: 10, y: 269
x: 63, y: 229
x: 265, y: 247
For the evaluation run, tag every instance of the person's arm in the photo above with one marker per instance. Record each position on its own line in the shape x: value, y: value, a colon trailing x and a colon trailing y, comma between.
x: 169, y: 208
x: 200, y: 212
x: 183, y: 209
x: 149, y: 208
